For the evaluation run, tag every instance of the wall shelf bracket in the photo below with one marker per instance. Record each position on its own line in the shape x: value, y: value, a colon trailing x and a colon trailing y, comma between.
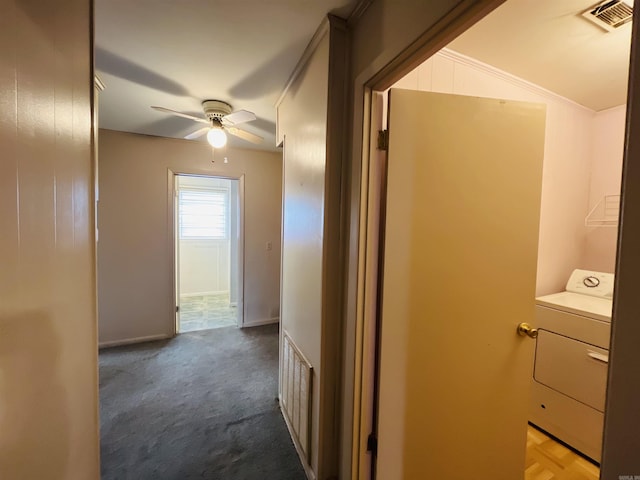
x: 605, y: 213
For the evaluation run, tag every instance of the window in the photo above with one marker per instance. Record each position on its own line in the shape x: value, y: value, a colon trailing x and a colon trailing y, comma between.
x: 203, y: 214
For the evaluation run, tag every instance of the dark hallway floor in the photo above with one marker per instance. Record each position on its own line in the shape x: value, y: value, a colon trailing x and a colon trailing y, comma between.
x: 199, y: 406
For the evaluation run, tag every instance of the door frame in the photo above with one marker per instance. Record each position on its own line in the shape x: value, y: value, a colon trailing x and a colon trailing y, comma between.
x: 172, y: 178
x: 461, y: 18
x: 376, y: 79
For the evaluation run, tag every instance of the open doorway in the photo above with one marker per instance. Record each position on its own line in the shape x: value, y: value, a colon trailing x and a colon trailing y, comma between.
x: 582, y: 168
x: 208, y: 220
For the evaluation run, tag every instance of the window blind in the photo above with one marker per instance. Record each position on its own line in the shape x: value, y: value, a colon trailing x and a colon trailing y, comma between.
x: 203, y: 213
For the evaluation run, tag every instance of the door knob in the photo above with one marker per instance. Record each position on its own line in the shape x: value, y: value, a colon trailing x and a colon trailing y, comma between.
x: 526, y: 329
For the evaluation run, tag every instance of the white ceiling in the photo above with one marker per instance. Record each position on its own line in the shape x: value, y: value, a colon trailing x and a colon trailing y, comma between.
x: 549, y: 43
x: 176, y: 54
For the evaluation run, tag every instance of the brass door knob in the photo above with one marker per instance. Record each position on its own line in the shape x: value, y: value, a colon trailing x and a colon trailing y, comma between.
x: 526, y: 329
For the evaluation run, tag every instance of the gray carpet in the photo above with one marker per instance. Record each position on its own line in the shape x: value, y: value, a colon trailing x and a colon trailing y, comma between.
x: 199, y: 406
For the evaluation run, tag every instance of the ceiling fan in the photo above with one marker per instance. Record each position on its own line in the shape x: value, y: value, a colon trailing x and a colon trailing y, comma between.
x: 220, y: 118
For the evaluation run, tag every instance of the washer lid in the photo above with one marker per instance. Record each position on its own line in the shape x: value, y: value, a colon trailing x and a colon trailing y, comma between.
x: 578, y: 304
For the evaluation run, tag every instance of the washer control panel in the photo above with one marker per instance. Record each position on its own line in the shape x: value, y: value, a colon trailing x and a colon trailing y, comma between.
x: 587, y: 282
x: 591, y: 281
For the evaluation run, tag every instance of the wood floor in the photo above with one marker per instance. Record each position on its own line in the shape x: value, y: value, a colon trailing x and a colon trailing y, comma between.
x: 550, y: 460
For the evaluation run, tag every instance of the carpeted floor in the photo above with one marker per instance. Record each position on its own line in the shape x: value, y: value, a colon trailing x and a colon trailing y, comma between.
x: 199, y: 406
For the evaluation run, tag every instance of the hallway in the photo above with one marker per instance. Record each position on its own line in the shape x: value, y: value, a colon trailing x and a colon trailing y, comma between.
x: 199, y: 406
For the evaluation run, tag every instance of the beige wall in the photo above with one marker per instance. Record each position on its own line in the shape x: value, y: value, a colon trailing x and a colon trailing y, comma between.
x: 388, y: 27
x: 48, y: 350
x: 302, y: 120
x: 135, y: 264
x: 312, y: 265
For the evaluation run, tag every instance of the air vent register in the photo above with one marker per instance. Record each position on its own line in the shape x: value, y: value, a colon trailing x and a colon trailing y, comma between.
x: 611, y: 14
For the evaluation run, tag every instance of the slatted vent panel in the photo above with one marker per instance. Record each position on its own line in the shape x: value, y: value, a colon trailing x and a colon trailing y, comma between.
x: 296, y: 393
x: 610, y: 14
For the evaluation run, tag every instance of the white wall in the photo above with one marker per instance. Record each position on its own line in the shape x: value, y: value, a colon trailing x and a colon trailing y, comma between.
x: 606, y: 173
x: 204, y: 267
x: 48, y: 348
x: 135, y: 263
x: 575, y: 145
x: 204, y: 264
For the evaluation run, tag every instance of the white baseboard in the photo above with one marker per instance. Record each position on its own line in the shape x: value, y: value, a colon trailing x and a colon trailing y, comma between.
x: 203, y: 294
x: 265, y: 321
x: 311, y: 475
x: 129, y: 341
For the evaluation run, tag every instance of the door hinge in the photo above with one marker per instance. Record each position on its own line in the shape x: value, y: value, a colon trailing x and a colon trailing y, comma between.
x: 383, y: 140
x: 372, y: 444
x: 177, y: 308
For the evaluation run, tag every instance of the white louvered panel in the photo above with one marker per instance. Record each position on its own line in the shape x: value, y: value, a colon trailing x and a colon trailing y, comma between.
x: 296, y: 393
x: 285, y: 374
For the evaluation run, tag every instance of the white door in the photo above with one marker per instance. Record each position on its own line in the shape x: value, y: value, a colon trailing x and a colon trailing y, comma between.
x: 461, y: 235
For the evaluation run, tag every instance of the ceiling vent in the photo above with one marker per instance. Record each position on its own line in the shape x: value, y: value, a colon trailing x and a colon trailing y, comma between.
x: 611, y: 14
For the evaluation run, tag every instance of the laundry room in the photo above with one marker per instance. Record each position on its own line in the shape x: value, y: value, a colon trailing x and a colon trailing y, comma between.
x: 573, y: 57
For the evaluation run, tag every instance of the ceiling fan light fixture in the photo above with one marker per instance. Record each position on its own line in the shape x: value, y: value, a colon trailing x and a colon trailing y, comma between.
x: 216, y: 137
x: 220, y: 120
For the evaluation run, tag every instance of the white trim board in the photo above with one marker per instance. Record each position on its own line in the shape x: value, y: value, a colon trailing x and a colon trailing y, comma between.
x: 172, y: 176
x: 265, y: 321
x: 203, y: 294
x: 310, y: 49
x: 129, y: 341
x: 507, y: 77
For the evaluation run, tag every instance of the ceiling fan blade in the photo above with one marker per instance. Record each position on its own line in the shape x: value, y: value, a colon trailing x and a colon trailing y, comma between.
x: 243, y: 134
x: 179, y: 114
x: 197, y: 133
x: 241, y: 116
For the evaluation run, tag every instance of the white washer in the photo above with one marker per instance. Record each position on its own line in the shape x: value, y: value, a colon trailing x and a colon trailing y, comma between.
x: 570, y: 366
